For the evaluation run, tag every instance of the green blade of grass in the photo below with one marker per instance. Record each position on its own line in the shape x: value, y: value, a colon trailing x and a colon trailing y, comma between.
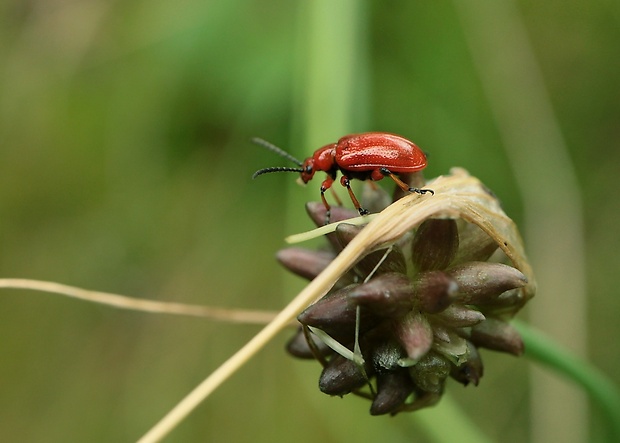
x: 544, y: 350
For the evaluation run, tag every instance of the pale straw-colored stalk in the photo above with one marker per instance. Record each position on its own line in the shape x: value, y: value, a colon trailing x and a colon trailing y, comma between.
x: 141, y: 304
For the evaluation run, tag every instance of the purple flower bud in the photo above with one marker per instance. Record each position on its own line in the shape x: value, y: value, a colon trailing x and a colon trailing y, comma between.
x: 435, y: 244
x: 345, y: 232
x: 497, y: 335
x: 336, y: 314
x: 341, y: 376
x: 460, y: 316
x: 505, y: 305
x: 434, y: 291
x: 415, y: 335
x: 298, y: 346
x: 393, y: 388
x: 305, y: 262
x: 481, y: 282
x: 387, y: 295
x: 387, y: 355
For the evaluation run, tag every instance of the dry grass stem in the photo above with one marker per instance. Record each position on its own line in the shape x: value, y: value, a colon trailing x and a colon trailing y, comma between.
x: 137, y: 304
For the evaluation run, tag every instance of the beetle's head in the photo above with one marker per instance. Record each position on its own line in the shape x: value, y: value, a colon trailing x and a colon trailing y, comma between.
x: 307, y: 170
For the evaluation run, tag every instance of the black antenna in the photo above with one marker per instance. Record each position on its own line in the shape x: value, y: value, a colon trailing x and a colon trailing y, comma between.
x: 280, y: 152
x: 275, y: 169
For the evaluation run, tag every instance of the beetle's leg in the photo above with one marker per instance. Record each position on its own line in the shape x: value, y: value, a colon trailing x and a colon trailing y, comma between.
x: 401, y: 184
x: 344, y: 181
x: 327, y: 183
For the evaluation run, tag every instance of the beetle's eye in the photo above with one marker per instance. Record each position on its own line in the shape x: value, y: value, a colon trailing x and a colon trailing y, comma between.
x: 308, y: 169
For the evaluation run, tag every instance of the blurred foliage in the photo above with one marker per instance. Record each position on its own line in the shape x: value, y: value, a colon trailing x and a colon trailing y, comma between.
x: 126, y: 167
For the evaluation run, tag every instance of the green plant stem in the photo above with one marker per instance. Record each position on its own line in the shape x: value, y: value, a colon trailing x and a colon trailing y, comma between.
x: 332, y: 73
x: 543, y: 349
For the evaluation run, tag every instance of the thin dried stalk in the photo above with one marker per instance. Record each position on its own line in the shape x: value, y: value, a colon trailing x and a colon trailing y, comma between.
x: 137, y: 304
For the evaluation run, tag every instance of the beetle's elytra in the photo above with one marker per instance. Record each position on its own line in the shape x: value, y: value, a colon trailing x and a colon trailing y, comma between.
x: 367, y: 156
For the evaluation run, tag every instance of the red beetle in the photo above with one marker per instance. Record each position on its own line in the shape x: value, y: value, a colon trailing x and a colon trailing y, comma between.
x: 371, y: 155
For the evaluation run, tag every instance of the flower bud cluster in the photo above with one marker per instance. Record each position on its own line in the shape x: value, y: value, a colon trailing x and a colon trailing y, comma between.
x: 417, y: 313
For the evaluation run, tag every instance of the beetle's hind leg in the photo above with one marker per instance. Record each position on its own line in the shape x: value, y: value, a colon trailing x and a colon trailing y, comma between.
x: 402, y: 185
x: 346, y: 182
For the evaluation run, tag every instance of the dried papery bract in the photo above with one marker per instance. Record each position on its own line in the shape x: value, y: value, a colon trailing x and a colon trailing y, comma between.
x: 417, y: 296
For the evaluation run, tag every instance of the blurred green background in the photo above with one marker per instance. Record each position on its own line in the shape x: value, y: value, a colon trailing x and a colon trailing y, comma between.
x: 125, y: 167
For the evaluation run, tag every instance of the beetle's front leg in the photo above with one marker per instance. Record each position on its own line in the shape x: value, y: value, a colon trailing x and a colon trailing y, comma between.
x: 344, y: 181
x: 327, y: 183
